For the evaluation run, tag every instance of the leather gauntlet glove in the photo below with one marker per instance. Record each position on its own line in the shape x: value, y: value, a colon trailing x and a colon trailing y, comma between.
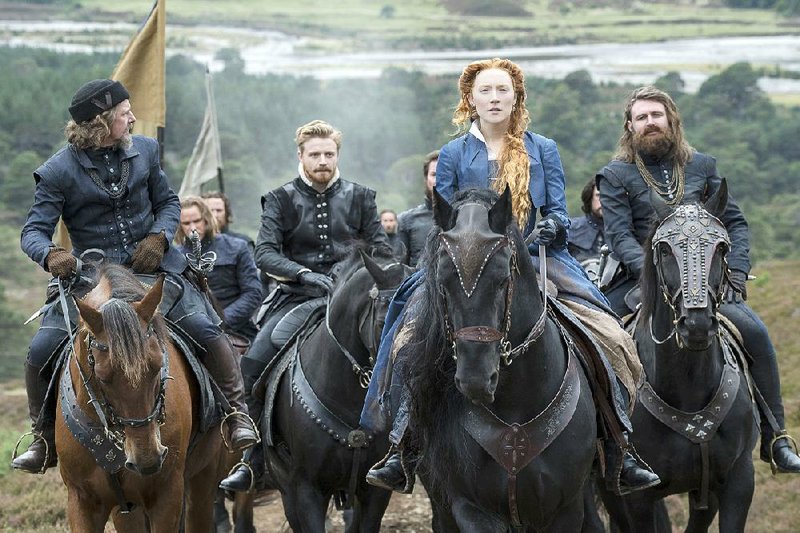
x: 149, y: 253
x: 61, y: 263
x: 315, y: 279
x: 550, y: 231
x: 737, y: 287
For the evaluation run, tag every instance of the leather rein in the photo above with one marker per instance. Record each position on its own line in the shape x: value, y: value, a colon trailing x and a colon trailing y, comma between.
x: 364, y: 372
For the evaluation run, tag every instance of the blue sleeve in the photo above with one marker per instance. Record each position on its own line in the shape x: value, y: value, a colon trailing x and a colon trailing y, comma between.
x: 166, y: 204
x: 37, y: 233
x: 555, y: 185
x: 241, y: 309
x: 618, y: 221
x: 446, y: 178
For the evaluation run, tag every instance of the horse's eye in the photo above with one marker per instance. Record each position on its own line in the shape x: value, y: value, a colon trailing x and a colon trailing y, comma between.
x: 665, y: 250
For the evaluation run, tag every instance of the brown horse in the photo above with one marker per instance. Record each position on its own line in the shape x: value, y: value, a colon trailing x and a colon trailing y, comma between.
x: 133, y: 398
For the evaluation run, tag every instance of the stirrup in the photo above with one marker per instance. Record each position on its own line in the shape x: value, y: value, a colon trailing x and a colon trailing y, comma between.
x: 36, y: 436
x: 781, y: 435
x: 236, y: 412
x: 245, y: 464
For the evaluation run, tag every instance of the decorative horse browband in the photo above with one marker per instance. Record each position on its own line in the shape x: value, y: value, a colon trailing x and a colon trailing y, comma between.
x: 470, y: 245
x: 693, y: 235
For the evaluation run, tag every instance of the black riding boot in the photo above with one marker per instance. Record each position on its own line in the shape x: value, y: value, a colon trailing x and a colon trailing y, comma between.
x: 223, y: 365
x: 395, y: 472
x: 624, y: 473
x: 41, y: 454
x: 780, y: 452
x: 250, y: 473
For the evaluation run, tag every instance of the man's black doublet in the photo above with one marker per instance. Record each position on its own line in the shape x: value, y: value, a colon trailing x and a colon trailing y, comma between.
x: 585, y: 237
x: 303, y: 228
x: 413, y: 228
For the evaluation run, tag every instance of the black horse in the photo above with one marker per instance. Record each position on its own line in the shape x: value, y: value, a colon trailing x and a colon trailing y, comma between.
x: 502, y: 444
x: 318, y: 450
x: 694, y: 419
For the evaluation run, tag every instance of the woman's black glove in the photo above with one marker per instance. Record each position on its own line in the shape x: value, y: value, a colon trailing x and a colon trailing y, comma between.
x: 315, y: 279
x: 550, y: 232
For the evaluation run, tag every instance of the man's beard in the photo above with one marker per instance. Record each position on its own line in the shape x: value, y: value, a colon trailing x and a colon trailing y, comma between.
x: 655, y: 145
x: 124, y: 143
x: 317, y: 177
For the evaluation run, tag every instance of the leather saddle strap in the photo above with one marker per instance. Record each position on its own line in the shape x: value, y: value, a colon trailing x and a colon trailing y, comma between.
x: 513, y: 508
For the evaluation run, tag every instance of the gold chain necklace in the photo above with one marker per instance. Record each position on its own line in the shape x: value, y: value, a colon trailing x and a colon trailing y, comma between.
x: 672, y: 191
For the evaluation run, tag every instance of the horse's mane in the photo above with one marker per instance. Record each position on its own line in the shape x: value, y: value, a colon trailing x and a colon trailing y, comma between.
x: 648, y: 280
x: 121, y: 323
x: 349, y: 261
x: 437, y: 406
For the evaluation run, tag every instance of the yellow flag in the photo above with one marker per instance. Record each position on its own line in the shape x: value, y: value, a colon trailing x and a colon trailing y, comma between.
x: 141, y: 69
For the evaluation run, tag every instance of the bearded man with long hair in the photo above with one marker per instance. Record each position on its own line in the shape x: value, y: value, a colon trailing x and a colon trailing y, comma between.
x: 653, y: 155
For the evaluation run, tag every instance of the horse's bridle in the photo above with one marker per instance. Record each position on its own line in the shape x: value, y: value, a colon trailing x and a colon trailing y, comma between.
x: 157, y: 414
x: 693, y: 236
x: 112, y: 422
x: 488, y: 334
x: 366, y: 320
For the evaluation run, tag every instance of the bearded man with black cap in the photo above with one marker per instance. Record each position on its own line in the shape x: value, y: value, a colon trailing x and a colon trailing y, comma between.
x: 110, y: 190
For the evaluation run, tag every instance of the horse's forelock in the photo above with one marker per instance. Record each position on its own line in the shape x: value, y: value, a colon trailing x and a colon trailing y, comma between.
x: 127, y: 341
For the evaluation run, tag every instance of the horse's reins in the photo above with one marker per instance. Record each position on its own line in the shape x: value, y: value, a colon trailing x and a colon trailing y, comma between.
x: 487, y: 334
x: 364, y: 373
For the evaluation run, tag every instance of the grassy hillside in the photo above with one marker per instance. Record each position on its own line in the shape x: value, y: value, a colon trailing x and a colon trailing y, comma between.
x: 369, y: 24
x: 36, y: 503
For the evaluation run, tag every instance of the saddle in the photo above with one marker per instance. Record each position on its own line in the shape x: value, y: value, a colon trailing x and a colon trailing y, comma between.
x: 600, y: 374
x: 291, y: 323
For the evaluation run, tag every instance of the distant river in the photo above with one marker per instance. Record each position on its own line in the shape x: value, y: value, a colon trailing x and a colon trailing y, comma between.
x: 279, y: 53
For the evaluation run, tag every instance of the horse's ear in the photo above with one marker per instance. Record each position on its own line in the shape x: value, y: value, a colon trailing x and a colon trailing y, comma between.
x: 91, y: 316
x: 373, y: 268
x: 500, y: 214
x: 442, y: 211
x: 719, y: 200
x: 148, y: 305
x: 662, y: 208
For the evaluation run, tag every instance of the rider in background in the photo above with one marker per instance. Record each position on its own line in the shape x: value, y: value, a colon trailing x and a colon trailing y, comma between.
x: 497, y: 151
x: 388, y: 220
x: 112, y: 194
x: 415, y: 223
x: 586, y: 232
x: 306, y: 226
x: 220, y: 207
x: 234, y: 280
x: 653, y: 155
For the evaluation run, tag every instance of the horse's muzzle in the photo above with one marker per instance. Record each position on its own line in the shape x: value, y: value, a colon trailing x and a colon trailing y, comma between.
x: 477, y: 370
x: 697, y: 329
x: 150, y: 469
